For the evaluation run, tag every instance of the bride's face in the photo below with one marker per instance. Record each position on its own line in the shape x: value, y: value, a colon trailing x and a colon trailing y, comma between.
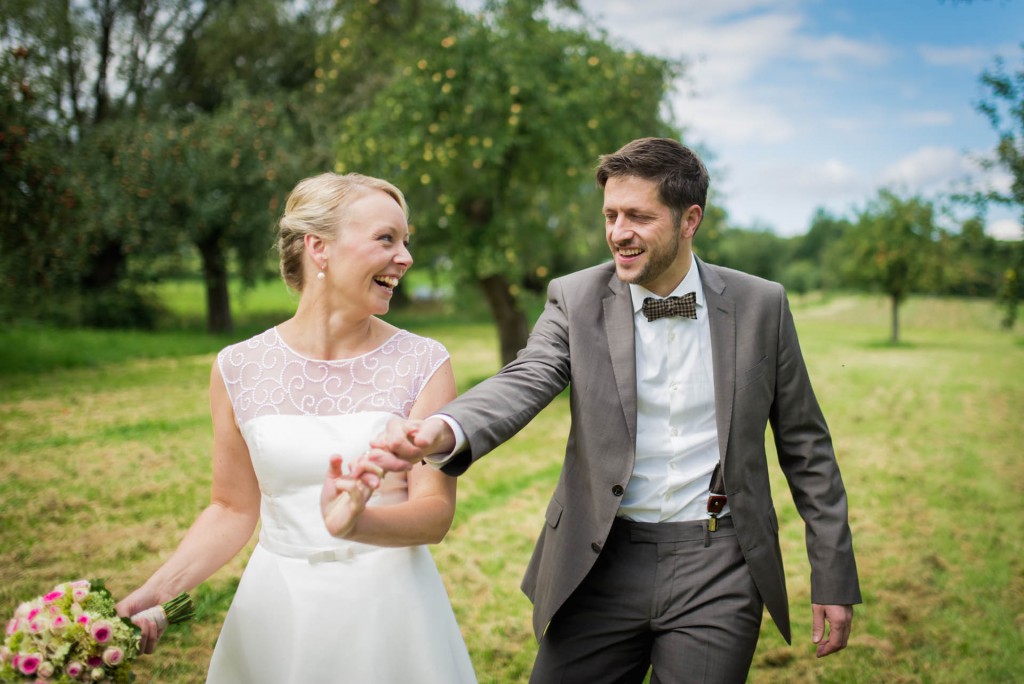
x: 371, y: 253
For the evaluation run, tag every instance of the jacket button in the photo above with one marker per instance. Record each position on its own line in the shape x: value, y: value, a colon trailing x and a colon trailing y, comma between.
x: 596, y: 547
x: 617, y: 490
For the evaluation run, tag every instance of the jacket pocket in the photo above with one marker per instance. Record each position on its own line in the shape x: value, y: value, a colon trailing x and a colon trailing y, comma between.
x: 752, y: 374
x: 554, y: 513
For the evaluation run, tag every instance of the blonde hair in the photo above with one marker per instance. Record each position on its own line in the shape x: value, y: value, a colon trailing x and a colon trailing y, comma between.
x: 318, y: 206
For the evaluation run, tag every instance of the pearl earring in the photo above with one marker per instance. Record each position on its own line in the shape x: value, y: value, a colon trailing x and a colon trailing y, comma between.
x: 321, y: 275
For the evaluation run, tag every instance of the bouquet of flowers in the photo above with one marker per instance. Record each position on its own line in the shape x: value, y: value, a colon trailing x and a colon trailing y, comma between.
x: 73, y: 634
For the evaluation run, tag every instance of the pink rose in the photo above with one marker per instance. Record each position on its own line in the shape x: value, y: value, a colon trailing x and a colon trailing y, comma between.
x: 29, y: 663
x: 74, y: 669
x: 37, y: 626
x: 59, y: 623
x: 113, y: 656
x: 12, y: 626
x: 102, y: 631
x: 53, y: 596
x: 33, y: 612
x: 83, y: 619
x: 79, y: 589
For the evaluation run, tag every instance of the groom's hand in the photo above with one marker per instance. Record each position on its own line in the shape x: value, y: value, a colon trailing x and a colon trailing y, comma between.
x: 839, y: 619
x: 407, y: 442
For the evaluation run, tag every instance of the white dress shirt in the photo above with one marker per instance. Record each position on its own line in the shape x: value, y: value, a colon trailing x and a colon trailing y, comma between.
x: 676, y: 433
x: 677, y: 438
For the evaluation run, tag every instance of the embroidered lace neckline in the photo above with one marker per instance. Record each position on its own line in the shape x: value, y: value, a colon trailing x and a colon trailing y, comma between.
x: 350, y: 359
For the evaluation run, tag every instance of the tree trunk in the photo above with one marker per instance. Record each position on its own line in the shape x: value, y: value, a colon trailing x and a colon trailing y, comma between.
x: 895, y: 319
x: 106, y: 266
x: 215, y: 276
x: 107, y: 15
x: 512, y: 326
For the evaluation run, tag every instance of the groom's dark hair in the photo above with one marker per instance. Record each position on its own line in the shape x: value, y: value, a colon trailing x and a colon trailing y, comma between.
x: 681, y: 176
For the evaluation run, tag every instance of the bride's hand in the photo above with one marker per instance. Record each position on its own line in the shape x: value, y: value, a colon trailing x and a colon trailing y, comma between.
x: 342, y: 499
x: 137, y: 606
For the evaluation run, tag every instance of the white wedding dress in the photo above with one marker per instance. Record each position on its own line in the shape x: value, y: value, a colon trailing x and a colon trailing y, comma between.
x: 311, y: 607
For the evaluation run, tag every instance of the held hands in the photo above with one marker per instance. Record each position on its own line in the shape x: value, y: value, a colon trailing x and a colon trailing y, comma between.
x: 343, y: 496
x: 840, y: 622
x: 405, y: 443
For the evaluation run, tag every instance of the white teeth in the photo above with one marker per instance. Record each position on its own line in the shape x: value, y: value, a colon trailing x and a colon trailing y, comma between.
x: 390, y: 282
x: 630, y: 252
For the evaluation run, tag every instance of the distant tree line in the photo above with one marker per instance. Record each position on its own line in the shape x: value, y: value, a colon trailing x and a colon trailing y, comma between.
x: 895, y: 245
x: 149, y: 139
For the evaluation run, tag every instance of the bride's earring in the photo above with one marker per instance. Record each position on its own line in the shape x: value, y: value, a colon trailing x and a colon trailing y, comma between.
x: 321, y: 275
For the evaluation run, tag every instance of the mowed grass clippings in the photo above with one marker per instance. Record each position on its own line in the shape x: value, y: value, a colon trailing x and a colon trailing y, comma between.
x: 105, y: 466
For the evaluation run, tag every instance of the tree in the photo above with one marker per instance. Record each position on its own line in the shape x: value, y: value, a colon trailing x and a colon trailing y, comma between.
x: 892, y: 248
x: 491, y: 123
x: 1003, y: 106
x: 154, y: 125
x: 70, y: 67
x: 215, y: 182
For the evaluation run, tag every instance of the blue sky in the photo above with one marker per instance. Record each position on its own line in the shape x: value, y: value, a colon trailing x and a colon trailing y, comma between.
x: 818, y: 103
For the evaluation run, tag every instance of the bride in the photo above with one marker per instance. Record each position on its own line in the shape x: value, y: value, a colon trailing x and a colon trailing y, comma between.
x: 357, y: 599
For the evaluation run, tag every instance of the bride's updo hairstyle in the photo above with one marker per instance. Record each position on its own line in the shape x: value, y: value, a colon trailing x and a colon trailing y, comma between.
x: 319, y: 206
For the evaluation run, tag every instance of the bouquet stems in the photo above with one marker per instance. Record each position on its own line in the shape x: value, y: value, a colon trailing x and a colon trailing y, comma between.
x: 179, y: 609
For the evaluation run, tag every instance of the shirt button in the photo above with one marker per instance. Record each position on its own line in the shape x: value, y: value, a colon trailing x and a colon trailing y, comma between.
x: 617, y: 490
x: 596, y: 547
x: 671, y: 337
x: 675, y: 432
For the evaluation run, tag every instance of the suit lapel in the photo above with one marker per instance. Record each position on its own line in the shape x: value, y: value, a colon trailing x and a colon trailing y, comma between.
x: 618, y: 321
x: 722, y: 319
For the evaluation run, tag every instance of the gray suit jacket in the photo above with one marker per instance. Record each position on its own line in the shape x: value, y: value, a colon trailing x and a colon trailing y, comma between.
x: 584, y: 339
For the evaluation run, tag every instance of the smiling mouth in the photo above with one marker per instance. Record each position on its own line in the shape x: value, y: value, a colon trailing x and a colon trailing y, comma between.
x: 387, y: 282
x: 630, y: 251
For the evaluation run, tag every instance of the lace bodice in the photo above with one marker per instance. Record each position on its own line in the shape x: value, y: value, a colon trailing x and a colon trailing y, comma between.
x: 264, y: 376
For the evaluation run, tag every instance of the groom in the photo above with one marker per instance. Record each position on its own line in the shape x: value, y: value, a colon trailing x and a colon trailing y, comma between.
x: 660, y: 547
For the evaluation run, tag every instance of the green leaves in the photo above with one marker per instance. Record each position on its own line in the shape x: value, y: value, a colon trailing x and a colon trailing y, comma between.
x: 490, y: 124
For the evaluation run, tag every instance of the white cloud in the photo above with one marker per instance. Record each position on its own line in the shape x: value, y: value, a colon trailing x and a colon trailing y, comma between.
x: 1005, y: 229
x: 784, y: 194
x: 834, y: 52
x: 732, y: 48
x: 729, y: 118
x: 927, y: 169
x: 964, y: 56
x: 928, y: 118
x: 848, y: 124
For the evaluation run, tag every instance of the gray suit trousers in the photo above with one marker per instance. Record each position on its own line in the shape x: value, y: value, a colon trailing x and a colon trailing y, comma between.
x: 667, y: 596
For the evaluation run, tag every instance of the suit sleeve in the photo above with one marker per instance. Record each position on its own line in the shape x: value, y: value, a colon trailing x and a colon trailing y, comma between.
x: 808, y: 460
x: 495, y: 410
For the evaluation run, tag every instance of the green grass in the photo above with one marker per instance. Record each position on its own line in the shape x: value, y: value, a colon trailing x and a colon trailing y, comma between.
x: 104, y: 462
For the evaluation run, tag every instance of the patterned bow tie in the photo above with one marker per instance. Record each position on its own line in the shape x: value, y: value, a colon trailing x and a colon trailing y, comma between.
x: 685, y: 306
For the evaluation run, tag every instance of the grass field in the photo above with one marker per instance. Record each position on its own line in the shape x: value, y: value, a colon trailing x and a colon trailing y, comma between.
x: 104, y: 443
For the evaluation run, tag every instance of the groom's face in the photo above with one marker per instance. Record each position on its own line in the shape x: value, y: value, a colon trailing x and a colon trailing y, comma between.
x: 650, y: 248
